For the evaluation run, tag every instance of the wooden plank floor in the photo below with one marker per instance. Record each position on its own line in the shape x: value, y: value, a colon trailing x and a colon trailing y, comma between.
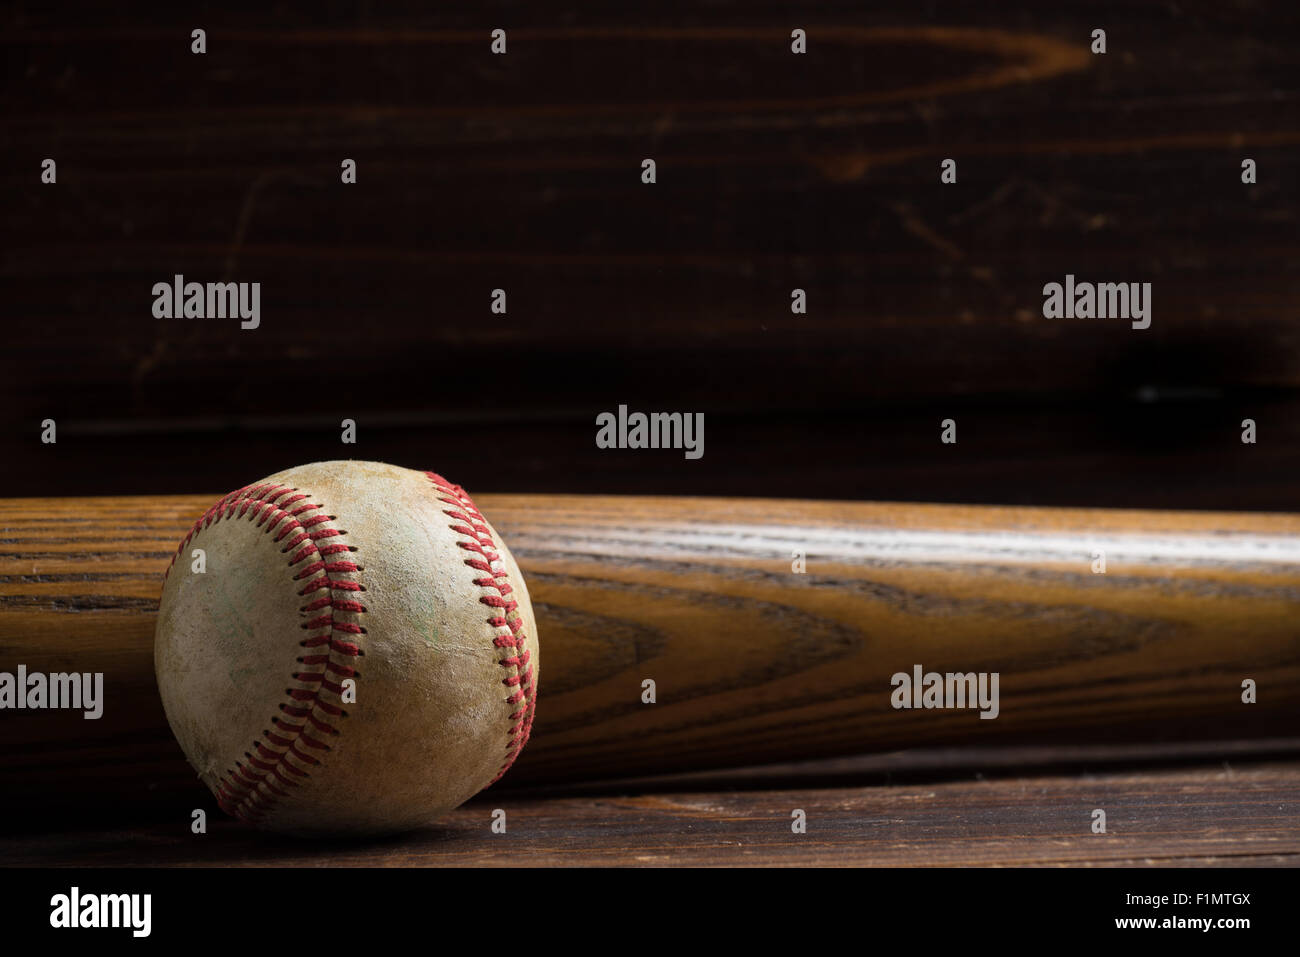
x: 1221, y: 813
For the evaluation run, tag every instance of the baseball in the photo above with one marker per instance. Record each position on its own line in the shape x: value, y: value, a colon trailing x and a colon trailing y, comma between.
x: 346, y: 646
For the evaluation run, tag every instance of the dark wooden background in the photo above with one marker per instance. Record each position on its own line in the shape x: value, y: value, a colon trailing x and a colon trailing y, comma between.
x: 775, y: 171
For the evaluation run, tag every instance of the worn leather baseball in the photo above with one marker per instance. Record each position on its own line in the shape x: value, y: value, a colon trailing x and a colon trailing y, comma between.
x: 355, y: 652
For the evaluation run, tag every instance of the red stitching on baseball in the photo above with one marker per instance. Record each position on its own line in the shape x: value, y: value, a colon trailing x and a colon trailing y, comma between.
x: 469, y: 522
x: 250, y: 794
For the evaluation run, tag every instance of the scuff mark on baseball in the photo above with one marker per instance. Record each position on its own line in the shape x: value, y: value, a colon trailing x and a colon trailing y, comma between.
x: 345, y: 717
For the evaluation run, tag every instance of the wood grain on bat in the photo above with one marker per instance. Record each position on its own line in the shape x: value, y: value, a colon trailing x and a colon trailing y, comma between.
x: 751, y: 661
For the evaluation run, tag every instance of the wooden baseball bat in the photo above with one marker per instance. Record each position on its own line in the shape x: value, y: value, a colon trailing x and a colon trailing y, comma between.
x: 771, y: 630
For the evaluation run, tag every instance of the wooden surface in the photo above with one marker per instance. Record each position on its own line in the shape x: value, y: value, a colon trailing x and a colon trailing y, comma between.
x: 752, y: 662
x: 1229, y: 813
x: 775, y: 172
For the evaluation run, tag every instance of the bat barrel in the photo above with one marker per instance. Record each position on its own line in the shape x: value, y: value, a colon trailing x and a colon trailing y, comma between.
x: 683, y: 634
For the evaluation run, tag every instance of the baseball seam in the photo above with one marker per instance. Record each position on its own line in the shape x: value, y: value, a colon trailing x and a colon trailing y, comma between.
x: 477, y: 538
x: 250, y: 788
